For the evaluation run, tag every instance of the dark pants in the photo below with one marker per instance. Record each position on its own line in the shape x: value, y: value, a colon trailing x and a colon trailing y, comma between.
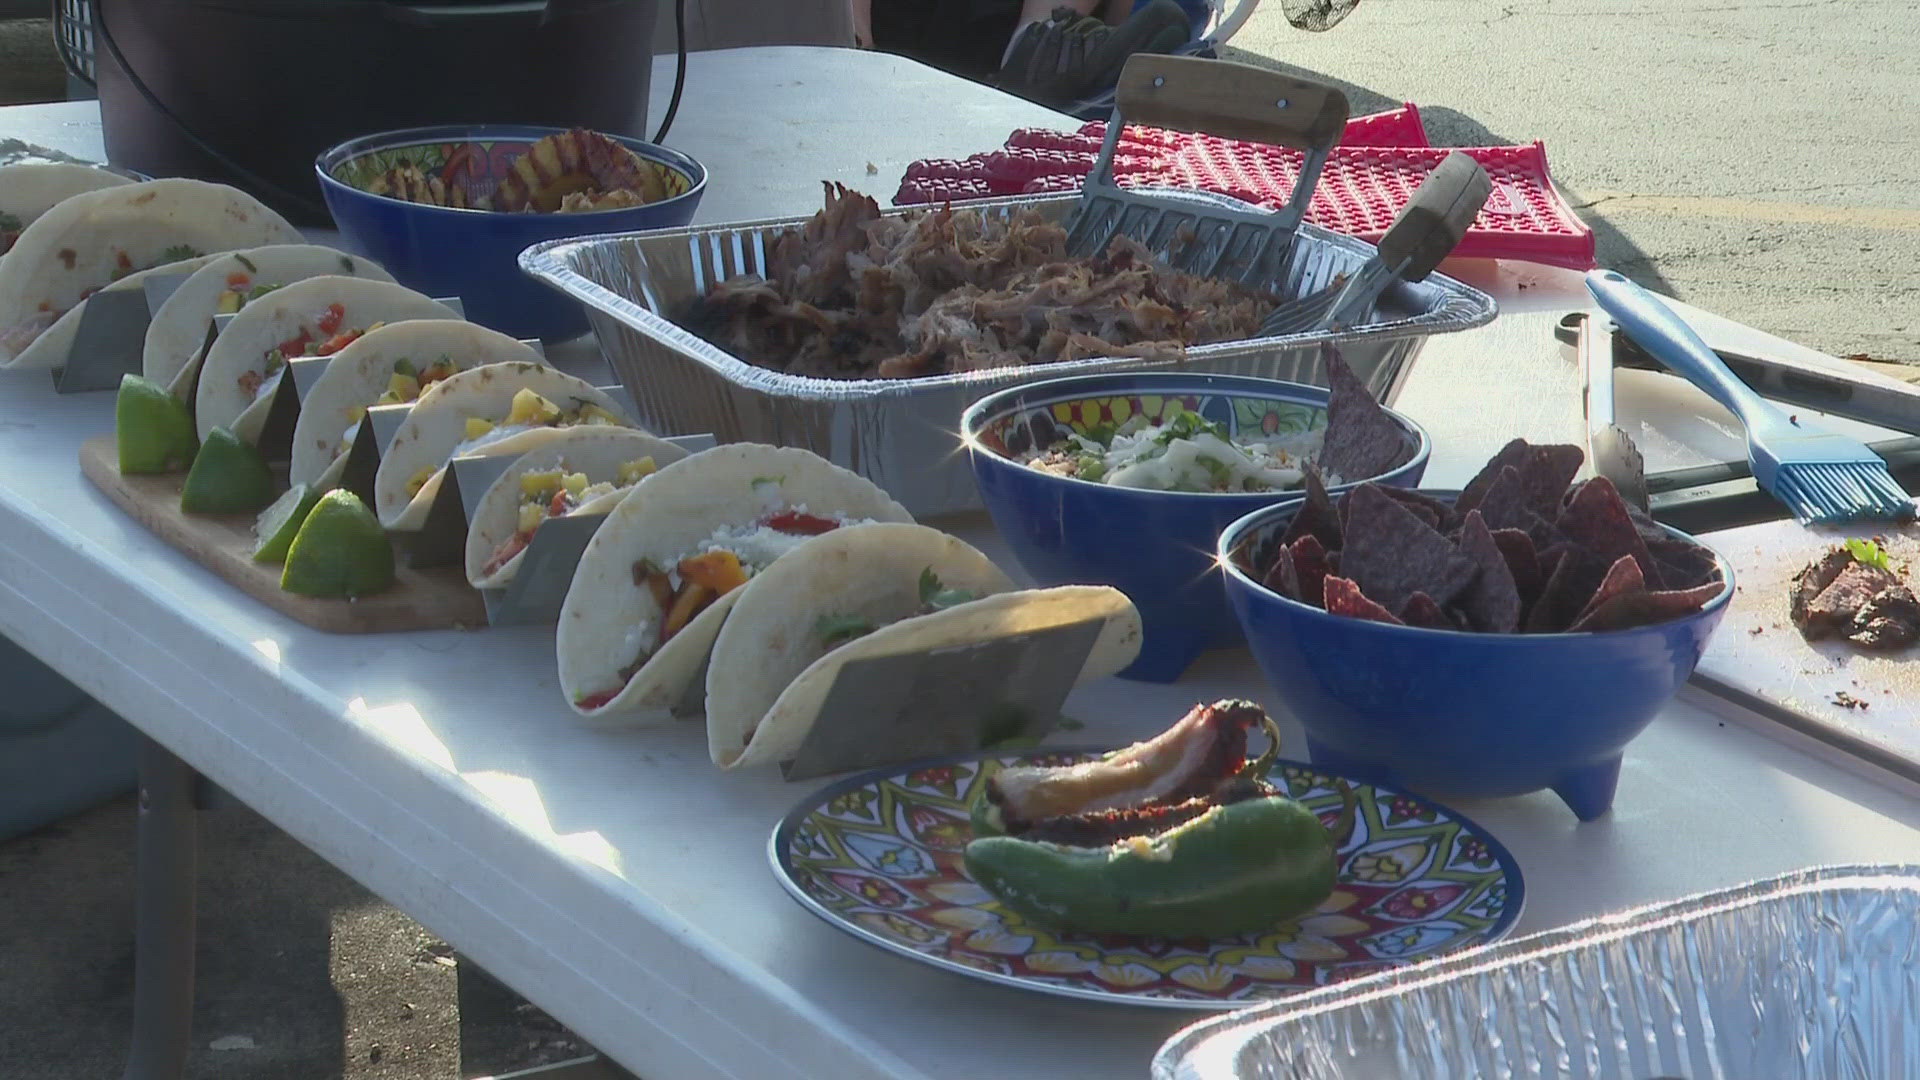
x: 965, y: 37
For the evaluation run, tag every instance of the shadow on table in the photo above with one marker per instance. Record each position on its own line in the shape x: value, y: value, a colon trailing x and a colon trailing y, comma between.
x: 1449, y: 127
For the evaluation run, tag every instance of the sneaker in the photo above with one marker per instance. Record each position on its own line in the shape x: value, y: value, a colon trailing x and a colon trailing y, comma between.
x: 1073, y: 56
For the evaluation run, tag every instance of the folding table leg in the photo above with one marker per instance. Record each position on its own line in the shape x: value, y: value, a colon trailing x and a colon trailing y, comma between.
x: 163, y: 928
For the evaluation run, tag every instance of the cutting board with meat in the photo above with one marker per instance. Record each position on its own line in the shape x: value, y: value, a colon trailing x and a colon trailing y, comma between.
x: 1823, y: 638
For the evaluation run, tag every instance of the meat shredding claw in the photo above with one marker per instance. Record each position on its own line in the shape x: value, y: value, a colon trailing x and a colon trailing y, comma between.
x: 1210, y: 235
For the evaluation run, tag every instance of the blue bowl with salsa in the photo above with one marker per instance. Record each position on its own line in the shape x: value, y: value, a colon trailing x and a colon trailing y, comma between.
x: 474, y: 254
x: 1155, y: 546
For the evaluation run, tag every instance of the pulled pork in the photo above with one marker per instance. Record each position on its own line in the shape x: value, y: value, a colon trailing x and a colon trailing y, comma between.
x: 854, y: 295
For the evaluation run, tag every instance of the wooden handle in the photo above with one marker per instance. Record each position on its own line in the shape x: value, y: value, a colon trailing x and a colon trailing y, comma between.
x: 1233, y: 101
x: 1430, y: 226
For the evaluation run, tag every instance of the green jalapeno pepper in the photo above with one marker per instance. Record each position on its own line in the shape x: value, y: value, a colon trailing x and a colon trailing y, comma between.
x: 1235, y: 869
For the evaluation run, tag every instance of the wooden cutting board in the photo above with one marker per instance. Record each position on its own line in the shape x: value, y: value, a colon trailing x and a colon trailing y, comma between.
x: 1866, y: 704
x: 435, y: 599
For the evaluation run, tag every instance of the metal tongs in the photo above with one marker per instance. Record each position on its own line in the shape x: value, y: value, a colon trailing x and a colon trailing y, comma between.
x: 1425, y: 232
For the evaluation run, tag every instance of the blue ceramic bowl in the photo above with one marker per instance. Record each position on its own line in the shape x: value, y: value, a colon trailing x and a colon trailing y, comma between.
x: 1457, y: 715
x: 1155, y: 546
x: 474, y: 254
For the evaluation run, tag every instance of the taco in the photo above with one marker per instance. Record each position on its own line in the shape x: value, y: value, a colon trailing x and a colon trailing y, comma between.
x: 584, y: 470
x: 392, y: 365
x: 29, y: 189
x: 315, y: 317
x: 55, y: 343
x: 495, y: 409
x: 874, y: 590
x: 93, y: 239
x: 657, y: 580
x: 222, y: 286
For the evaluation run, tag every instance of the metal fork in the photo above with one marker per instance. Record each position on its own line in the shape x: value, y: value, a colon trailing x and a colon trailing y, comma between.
x: 1823, y: 477
x: 1425, y: 231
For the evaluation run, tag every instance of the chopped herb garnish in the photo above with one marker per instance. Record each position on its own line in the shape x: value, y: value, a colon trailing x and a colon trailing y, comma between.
x: 1185, y: 424
x: 935, y: 596
x: 260, y: 290
x: 1089, y: 467
x: 835, y: 630
x: 243, y: 261
x: 346, y: 264
x: 1870, y: 553
x: 1220, y: 473
x: 177, y: 253
x: 404, y: 366
x: 1102, y: 433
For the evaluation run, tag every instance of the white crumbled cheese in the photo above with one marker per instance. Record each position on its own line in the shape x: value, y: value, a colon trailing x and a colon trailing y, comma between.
x: 757, y: 545
x: 468, y: 446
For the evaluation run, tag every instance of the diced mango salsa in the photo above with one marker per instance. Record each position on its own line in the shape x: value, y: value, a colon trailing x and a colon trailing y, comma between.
x: 531, y: 515
x: 594, y: 414
x: 403, y: 387
x: 530, y: 408
x: 632, y: 472
x: 574, y: 482
x: 719, y: 571
x: 419, y: 480
x: 229, y: 302
x: 539, y: 485
x: 478, y: 426
x: 356, y: 414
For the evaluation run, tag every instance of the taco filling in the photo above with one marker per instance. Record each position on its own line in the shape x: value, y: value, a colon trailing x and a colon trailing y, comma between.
x: 684, y: 587
x: 1184, y: 452
x: 833, y: 631
x: 16, y: 338
x: 324, y: 335
x: 10, y: 227
x: 529, y: 412
x: 556, y: 493
x: 406, y: 384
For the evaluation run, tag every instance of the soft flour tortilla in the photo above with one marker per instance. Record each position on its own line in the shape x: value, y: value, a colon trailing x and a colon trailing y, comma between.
x: 279, y: 316
x: 29, y: 189
x: 607, y: 617
x: 596, y: 451
x: 55, y: 343
x: 437, y: 426
x: 770, y: 674
x: 80, y: 244
x: 358, y: 374
x: 174, y: 338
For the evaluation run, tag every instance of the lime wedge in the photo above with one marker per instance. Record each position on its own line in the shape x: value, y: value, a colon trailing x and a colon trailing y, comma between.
x: 228, y: 477
x: 339, y: 552
x: 273, y: 532
x: 153, y: 428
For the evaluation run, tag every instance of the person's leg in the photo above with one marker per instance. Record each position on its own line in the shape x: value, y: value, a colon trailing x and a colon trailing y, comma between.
x: 1075, y: 54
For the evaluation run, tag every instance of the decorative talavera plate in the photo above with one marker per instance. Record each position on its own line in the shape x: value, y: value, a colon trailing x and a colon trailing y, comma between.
x: 879, y: 856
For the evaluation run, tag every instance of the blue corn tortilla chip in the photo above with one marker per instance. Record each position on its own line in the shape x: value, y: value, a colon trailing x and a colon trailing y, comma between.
x: 1317, y: 516
x: 1362, y: 439
x: 1503, y: 504
x: 1643, y: 608
x: 1576, y: 576
x: 1492, y: 602
x: 1544, y: 471
x: 1623, y: 577
x: 1523, y: 562
x: 1392, y: 554
x: 1345, y: 598
x: 1596, y: 518
x: 1423, y: 610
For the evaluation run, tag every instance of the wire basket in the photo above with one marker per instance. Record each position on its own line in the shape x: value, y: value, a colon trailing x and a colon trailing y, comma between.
x: 73, y: 36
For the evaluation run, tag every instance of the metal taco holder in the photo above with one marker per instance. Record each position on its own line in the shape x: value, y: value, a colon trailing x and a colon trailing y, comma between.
x: 1805, y: 976
x: 901, y: 433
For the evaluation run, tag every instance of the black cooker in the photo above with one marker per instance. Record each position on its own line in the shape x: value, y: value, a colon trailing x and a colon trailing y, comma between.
x: 248, y: 92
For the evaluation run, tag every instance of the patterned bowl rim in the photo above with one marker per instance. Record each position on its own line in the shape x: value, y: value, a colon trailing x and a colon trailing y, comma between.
x: 781, y: 839
x: 361, y: 145
x: 984, y: 412
x: 1237, y: 533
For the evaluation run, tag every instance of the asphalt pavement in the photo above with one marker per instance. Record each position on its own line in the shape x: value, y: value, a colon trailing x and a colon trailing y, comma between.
x: 1758, y: 159
x: 1761, y: 160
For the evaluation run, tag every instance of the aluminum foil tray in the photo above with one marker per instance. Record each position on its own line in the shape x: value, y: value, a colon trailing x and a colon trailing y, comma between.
x: 1811, y: 976
x: 902, y: 433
